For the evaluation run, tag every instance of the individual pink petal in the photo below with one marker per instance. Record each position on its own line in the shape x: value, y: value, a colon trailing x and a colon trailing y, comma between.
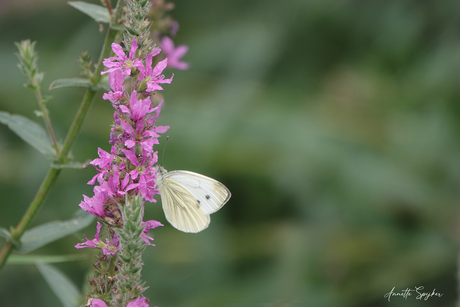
x: 167, y: 45
x: 98, y: 303
x: 118, y: 50
x: 131, y: 155
x: 134, y: 46
x: 139, y: 302
x: 180, y: 51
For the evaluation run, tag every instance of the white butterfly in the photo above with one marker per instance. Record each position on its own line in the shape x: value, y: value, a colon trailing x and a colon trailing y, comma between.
x: 189, y: 198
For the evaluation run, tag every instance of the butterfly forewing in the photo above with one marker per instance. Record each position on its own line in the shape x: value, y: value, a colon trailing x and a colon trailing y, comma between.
x: 210, y: 194
x: 181, y: 208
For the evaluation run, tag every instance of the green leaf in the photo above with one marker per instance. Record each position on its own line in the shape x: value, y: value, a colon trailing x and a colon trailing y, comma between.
x: 77, y: 165
x: 63, y: 287
x: 28, y: 259
x: 29, y: 131
x: 73, y: 82
x: 46, y: 233
x: 97, y: 12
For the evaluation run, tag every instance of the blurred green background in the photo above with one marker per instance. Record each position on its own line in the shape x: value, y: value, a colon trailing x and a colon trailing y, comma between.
x: 335, y: 124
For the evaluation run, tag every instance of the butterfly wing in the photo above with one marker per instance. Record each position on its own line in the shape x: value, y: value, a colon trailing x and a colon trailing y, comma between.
x: 210, y: 194
x: 181, y: 208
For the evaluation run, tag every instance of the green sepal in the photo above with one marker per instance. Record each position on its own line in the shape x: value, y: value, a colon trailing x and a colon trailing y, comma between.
x: 137, y: 213
x: 97, y: 12
x: 29, y: 131
x: 131, y: 30
x: 130, y: 226
x: 124, y: 258
x: 139, y: 232
x: 136, y: 269
x: 122, y: 236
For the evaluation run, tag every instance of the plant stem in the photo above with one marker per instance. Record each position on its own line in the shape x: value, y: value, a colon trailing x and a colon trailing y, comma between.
x: 53, y: 173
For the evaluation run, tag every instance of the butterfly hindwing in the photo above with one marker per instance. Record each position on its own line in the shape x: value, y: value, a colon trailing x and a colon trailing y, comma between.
x: 209, y: 193
x: 181, y: 208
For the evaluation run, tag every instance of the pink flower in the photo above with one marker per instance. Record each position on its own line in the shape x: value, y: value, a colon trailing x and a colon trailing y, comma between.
x: 116, y: 79
x: 149, y: 225
x: 139, y: 302
x: 174, y: 54
x: 122, y: 62
x: 111, y: 248
x: 98, y: 303
x: 138, y: 108
x: 91, y: 243
x: 102, y: 165
x: 154, y: 77
x: 95, y: 204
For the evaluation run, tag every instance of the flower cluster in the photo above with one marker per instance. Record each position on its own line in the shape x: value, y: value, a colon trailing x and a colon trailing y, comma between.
x: 129, y: 167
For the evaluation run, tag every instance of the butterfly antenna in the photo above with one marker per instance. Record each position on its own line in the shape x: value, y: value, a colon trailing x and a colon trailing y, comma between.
x: 164, y: 148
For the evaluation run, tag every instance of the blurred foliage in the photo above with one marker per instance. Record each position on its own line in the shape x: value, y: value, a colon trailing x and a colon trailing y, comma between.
x: 335, y: 124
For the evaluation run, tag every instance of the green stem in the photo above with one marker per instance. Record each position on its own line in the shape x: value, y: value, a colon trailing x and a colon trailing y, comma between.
x: 53, y: 173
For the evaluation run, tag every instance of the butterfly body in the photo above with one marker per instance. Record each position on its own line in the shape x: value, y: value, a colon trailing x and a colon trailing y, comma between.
x: 189, y: 198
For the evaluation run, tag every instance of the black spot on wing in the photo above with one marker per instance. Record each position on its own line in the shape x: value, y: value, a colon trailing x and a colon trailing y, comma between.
x: 208, y: 197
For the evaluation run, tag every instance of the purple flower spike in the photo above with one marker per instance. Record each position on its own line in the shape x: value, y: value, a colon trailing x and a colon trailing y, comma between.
x: 174, y: 54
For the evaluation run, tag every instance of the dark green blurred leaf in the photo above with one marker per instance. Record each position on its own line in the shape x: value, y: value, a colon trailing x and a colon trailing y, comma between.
x: 64, y: 289
x: 28, y: 259
x: 44, y: 234
x: 29, y: 131
x: 97, y: 12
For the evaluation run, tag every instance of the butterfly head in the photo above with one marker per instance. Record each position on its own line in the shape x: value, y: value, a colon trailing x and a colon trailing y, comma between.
x: 160, y: 170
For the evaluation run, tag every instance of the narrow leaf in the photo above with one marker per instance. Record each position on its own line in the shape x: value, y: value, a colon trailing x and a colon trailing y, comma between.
x: 28, y: 259
x: 63, y: 287
x: 29, y: 131
x: 77, y: 165
x: 44, y: 234
x: 72, y: 82
x: 97, y: 12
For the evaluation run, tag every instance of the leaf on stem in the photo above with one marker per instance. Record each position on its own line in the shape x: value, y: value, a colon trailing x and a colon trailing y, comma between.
x: 77, y: 165
x: 97, y: 12
x: 73, y: 82
x: 49, y: 232
x: 29, y: 131
x: 29, y: 259
x: 62, y: 286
